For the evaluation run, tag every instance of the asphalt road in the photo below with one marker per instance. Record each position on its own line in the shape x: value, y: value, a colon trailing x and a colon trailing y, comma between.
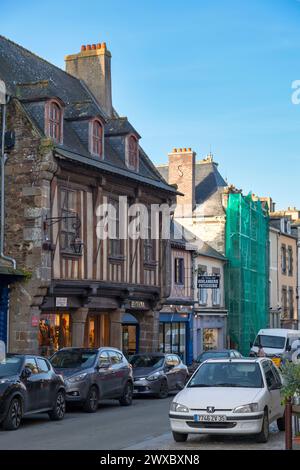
x: 144, y: 425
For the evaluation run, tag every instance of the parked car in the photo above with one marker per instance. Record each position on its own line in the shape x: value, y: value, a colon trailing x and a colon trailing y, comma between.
x: 158, y: 374
x: 229, y: 396
x: 92, y: 375
x: 28, y: 384
x: 213, y: 354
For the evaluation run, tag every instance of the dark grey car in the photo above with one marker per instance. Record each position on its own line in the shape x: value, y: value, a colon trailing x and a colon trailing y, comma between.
x: 94, y: 374
x: 158, y: 374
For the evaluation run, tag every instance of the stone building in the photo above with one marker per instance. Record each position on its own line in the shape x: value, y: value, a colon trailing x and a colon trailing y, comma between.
x: 73, y: 153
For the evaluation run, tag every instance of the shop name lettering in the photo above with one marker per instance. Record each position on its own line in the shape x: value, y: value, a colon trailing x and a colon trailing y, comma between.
x: 137, y: 304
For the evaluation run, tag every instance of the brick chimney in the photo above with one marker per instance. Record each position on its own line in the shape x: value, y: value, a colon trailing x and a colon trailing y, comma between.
x: 93, y: 65
x: 182, y: 173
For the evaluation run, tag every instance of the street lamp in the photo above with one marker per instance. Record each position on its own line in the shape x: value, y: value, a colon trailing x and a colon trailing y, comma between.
x: 76, y: 244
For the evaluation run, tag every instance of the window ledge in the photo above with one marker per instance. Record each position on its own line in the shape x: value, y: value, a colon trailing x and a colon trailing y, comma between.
x: 116, y: 259
x: 150, y: 264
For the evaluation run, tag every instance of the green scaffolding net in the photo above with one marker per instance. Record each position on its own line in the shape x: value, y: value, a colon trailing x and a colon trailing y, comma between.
x: 247, y: 270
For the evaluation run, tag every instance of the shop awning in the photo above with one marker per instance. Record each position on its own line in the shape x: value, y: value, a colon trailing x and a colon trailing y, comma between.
x: 129, y: 319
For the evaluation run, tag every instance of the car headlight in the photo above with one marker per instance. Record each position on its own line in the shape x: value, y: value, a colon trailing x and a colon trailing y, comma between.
x: 250, y: 408
x: 154, y: 376
x: 76, y: 378
x: 178, y: 407
x: 5, y: 381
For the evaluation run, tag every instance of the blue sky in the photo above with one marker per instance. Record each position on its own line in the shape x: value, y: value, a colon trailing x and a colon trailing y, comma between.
x: 207, y: 74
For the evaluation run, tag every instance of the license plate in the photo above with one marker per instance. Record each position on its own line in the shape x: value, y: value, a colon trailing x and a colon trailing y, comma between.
x: 209, y: 418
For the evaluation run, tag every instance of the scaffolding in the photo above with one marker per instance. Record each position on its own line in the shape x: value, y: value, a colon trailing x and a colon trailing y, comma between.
x: 247, y: 270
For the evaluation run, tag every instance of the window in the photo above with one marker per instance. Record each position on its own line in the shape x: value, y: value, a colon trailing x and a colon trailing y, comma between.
x: 216, y: 293
x: 202, y: 293
x: 290, y: 261
x: 104, y: 358
x: 283, y: 259
x: 30, y: 363
x: 115, y: 357
x: 96, y: 138
x: 54, y: 121
x: 42, y: 365
x: 68, y: 203
x: 115, y: 244
x: 179, y: 271
x: 270, y: 379
x: 132, y: 152
x: 149, y: 245
x: 284, y: 302
x: 291, y: 303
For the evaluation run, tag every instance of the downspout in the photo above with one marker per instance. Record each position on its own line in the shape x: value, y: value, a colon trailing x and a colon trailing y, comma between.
x: 2, y: 209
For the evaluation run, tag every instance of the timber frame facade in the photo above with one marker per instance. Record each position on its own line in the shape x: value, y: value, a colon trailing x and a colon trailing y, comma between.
x: 70, y: 299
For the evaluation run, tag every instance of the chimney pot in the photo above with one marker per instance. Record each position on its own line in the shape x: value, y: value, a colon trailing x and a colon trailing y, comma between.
x: 184, y: 150
x: 180, y: 150
x: 103, y: 45
x: 89, y: 47
x: 189, y: 149
x: 98, y: 46
x: 93, y: 46
x: 174, y: 150
x: 83, y: 48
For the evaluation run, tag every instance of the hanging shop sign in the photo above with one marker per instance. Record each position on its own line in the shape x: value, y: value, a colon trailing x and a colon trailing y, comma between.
x: 208, y: 282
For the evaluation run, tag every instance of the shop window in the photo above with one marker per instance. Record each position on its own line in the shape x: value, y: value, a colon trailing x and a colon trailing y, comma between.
x: 210, y: 338
x: 54, y: 333
x: 172, y: 338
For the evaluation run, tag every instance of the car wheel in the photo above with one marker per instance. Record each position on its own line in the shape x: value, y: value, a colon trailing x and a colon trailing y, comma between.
x: 178, y: 437
x: 13, y: 418
x: 92, y: 401
x: 281, y: 423
x: 164, y: 390
x: 263, y: 436
x: 126, y: 399
x: 59, y: 409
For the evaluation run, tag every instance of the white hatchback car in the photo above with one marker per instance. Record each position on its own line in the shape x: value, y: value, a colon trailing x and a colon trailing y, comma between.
x: 229, y: 396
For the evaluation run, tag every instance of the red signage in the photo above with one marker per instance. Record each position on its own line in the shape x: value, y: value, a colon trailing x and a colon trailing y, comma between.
x: 34, y: 321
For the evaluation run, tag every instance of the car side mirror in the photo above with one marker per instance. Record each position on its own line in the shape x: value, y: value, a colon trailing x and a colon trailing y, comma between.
x: 289, y: 348
x: 26, y: 373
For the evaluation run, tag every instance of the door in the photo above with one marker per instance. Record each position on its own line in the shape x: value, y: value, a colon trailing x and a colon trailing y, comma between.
x: 273, y: 391
x: 119, y: 372
x: 171, y: 372
x: 179, y: 373
x: 33, y: 385
x: 104, y: 377
x: 279, y: 408
x: 47, y: 388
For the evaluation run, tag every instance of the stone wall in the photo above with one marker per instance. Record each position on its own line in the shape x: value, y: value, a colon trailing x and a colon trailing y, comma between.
x: 29, y: 169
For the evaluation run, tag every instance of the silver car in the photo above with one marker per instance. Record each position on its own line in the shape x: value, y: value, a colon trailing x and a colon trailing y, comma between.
x: 158, y: 374
x: 94, y: 374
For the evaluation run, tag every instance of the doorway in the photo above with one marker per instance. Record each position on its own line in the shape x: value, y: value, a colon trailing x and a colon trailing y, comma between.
x: 97, y: 331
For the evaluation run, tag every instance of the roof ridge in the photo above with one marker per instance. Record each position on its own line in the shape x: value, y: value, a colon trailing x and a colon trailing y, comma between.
x: 38, y: 57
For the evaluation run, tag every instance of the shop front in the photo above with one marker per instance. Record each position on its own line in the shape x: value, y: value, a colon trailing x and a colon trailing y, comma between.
x: 209, y: 331
x: 175, y: 333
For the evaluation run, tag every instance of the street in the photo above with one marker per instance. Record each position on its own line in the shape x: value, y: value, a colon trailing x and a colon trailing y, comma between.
x: 144, y: 425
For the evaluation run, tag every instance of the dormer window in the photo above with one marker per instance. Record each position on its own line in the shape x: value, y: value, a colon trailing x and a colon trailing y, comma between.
x: 132, y: 152
x: 54, y: 121
x: 96, y: 138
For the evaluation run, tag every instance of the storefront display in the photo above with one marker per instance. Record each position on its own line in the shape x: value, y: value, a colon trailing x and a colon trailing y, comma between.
x: 54, y: 332
x: 174, y: 336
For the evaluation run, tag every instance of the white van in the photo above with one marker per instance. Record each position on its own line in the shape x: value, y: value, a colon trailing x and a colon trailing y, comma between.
x: 275, y: 341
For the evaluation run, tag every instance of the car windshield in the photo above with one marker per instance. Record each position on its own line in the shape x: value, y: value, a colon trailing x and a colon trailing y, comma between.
x: 212, y: 355
x: 228, y: 374
x: 10, y: 366
x: 266, y: 341
x: 73, y: 359
x: 147, y: 360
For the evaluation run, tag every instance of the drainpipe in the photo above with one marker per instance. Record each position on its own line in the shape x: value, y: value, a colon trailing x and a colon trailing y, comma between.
x: 2, y: 209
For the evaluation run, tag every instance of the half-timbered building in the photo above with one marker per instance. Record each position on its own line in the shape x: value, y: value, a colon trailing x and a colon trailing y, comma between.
x: 73, y: 154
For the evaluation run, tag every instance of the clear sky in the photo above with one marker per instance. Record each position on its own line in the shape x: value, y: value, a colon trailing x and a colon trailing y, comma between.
x: 207, y: 74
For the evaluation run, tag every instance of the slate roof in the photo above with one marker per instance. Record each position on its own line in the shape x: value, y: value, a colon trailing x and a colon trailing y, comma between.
x: 32, y: 79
